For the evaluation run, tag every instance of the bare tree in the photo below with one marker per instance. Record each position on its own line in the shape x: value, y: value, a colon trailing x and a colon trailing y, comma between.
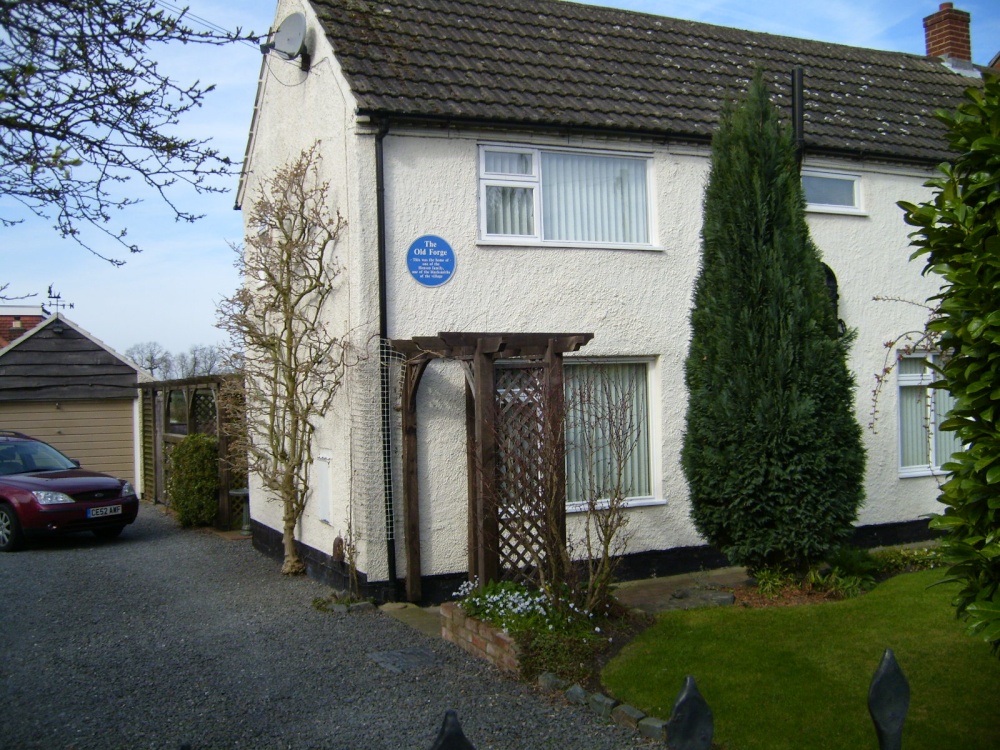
x: 151, y: 356
x: 200, y: 359
x: 603, y: 440
x: 292, y: 365
x: 589, y: 440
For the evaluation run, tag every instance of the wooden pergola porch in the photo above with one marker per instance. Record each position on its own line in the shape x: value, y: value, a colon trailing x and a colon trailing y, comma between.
x: 479, y: 354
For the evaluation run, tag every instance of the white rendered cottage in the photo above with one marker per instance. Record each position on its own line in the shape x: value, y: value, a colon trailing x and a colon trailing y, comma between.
x: 456, y: 136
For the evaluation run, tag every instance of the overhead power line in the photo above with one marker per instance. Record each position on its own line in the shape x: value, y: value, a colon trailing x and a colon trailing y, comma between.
x: 199, y: 21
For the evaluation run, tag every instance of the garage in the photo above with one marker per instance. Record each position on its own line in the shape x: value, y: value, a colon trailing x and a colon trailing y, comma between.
x: 61, y: 385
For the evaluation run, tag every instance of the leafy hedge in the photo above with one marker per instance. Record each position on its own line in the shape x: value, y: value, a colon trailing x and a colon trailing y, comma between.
x: 193, y: 480
x: 959, y: 235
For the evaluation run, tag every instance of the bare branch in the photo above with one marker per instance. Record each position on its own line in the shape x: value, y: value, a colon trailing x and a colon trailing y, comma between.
x: 84, y: 110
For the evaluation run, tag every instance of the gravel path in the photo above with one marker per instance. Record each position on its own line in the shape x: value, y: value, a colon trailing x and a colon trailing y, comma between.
x: 166, y: 638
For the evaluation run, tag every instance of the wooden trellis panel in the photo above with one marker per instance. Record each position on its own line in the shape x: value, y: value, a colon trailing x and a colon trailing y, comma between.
x: 203, y: 412
x: 520, y: 468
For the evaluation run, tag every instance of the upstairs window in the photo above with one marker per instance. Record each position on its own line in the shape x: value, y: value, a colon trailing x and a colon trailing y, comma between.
x: 923, y: 447
x: 832, y: 192
x: 532, y: 196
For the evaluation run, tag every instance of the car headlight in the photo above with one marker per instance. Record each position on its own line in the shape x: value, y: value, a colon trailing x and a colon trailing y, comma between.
x: 43, y: 497
x: 127, y: 489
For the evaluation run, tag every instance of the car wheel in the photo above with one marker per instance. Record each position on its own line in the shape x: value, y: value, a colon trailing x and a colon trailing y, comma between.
x: 111, y: 532
x: 10, y: 529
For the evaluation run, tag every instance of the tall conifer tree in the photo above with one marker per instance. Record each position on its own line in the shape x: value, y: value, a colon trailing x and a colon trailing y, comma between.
x: 772, y: 451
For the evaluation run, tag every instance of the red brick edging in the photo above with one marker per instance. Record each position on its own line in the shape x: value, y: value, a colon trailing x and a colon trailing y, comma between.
x: 479, y: 638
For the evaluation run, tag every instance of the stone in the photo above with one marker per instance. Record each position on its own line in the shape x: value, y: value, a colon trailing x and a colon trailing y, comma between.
x: 602, y: 705
x: 627, y: 716
x: 404, y: 660
x: 550, y: 683
x: 577, y: 695
x: 653, y: 728
x: 362, y: 607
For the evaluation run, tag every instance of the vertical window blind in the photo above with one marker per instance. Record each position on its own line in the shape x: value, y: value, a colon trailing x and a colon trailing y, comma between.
x: 607, y: 431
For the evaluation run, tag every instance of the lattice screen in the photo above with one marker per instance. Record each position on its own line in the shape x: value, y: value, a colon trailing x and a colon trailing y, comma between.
x: 203, y: 412
x: 520, y: 481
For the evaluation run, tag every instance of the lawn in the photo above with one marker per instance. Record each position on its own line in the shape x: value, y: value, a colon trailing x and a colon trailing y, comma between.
x: 797, y: 677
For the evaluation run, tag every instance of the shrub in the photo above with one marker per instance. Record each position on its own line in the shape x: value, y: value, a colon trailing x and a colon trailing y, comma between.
x: 772, y: 451
x: 193, y: 483
x: 893, y: 561
x: 853, y: 561
x: 958, y: 232
x: 771, y: 581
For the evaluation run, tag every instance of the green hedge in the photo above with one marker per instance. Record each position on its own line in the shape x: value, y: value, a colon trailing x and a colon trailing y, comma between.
x: 193, y: 483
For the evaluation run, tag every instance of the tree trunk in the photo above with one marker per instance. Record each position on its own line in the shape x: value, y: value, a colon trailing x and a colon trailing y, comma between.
x: 292, y: 566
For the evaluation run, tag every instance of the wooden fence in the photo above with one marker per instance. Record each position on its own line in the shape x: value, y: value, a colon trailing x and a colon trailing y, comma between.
x: 173, y: 409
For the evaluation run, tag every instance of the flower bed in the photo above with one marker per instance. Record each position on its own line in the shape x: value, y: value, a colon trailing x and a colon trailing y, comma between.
x: 479, y: 638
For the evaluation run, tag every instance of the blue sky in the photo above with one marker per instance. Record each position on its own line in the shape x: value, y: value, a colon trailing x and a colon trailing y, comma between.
x: 168, y: 293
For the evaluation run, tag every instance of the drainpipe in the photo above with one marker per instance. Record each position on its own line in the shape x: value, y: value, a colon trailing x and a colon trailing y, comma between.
x: 798, y: 116
x: 384, y: 375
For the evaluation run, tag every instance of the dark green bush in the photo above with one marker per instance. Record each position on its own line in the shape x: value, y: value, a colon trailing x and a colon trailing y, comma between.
x: 853, y: 561
x: 193, y: 480
x: 772, y: 452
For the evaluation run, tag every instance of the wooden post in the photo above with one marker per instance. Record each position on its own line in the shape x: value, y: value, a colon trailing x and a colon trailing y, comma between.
x: 224, y: 518
x: 488, y: 532
x: 412, y: 373
x: 555, y: 429
x: 470, y: 443
x: 160, y: 406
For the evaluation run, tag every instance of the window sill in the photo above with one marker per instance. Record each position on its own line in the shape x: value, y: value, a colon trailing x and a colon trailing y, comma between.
x: 535, y: 244
x: 635, y: 502
x: 841, y: 210
x: 921, y: 471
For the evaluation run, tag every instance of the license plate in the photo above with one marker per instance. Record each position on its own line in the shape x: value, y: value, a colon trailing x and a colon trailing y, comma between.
x: 107, y: 510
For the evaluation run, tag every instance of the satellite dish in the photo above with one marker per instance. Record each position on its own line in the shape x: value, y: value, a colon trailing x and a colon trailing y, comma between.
x: 289, y: 40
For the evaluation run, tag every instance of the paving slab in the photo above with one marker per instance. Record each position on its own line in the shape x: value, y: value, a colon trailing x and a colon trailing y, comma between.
x: 685, y: 591
x: 425, y: 619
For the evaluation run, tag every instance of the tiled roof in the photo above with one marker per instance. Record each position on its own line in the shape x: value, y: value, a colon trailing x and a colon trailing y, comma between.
x: 556, y: 63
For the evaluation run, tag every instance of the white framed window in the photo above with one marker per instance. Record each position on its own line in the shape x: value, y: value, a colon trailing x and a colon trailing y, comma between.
x: 561, y: 197
x: 832, y: 192
x: 923, y: 447
x: 609, y: 447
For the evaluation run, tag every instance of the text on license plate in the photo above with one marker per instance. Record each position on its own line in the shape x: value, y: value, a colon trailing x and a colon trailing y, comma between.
x: 107, y: 510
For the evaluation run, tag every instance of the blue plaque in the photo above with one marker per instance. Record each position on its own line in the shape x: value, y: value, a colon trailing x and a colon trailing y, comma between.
x: 431, y: 260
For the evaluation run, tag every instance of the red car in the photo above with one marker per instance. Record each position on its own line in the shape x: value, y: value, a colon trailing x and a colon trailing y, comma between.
x: 43, y: 492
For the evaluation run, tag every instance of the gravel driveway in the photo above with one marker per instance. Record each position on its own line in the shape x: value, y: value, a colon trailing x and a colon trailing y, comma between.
x: 166, y: 638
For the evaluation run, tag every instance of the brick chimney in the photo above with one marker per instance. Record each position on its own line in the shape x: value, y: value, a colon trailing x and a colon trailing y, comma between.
x: 947, y: 33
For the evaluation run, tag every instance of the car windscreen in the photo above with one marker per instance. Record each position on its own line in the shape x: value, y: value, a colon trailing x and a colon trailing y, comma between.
x: 20, y: 458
